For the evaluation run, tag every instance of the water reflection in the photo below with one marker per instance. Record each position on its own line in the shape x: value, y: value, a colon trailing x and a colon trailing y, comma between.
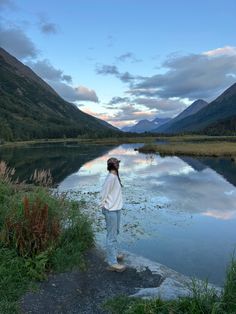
x: 174, y: 206
x: 62, y: 160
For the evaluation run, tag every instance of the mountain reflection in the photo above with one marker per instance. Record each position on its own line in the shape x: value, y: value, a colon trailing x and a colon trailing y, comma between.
x: 171, y: 204
x: 204, y: 186
x: 62, y: 160
x: 186, y: 184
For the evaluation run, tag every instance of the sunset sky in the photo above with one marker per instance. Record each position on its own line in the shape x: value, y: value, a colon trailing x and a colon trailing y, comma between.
x: 125, y: 60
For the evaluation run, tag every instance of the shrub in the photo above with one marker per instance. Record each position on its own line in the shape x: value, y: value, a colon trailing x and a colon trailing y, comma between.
x: 30, y: 232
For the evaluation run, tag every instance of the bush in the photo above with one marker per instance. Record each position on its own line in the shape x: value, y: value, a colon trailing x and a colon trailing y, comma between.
x: 39, y: 232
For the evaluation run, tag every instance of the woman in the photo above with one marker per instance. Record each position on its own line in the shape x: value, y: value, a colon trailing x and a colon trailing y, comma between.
x: 112, y: 203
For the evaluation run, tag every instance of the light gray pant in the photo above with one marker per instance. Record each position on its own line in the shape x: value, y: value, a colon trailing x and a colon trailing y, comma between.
x: 113, y: 228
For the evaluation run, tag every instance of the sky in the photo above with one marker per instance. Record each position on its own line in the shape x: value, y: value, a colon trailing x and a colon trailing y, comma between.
x: 125, y: 60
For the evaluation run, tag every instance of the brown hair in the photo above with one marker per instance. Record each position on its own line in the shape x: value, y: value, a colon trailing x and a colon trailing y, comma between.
x: 111, y: 166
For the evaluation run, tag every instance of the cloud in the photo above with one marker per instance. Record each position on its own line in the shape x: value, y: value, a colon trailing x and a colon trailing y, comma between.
x: 48, y: 28
x: 131, y: 110
x: 129, y: 56
x: 147, y: 92
x: 127, y: 115
x: 107, y: 70
x: 161, y: 104
x: 118, y: 100
x: 130, y: 113
x: 193, y: 76
x: 85, y: 93
x: 227, y: 50
x: 57, y: 79
x: 125, y: 77
x: 80, y: 93
x: 45, y: 70
x: 17, y: 43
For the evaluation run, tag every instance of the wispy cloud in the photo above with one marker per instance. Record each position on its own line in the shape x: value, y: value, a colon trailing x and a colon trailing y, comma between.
x: 48, y: 28
x: 118, y: 100
x: 128, y: 56
x: 126, y: 77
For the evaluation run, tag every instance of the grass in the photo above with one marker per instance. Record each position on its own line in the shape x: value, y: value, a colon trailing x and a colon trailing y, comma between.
x: 210, y: 148
x: 46, y: 233
x: 203, y: 301
x: 146, y: 138
x: 80, y: 140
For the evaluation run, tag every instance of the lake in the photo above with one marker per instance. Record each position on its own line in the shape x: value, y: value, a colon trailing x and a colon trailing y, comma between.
x: 178, y: 211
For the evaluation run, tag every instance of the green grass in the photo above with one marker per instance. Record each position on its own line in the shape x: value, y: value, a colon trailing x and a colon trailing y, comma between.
x: 134, y: 138
x: 19, y: 272
x: 203, y: 301
x: 211, y: 148
x: 80, y: 140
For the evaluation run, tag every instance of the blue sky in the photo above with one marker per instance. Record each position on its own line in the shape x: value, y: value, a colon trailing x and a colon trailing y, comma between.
x: 125, y: 60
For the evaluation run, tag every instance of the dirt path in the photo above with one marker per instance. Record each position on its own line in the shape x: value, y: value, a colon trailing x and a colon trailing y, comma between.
x: 86, y: 291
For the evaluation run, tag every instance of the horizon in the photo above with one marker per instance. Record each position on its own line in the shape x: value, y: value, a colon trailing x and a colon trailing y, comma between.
x: 125, y: 62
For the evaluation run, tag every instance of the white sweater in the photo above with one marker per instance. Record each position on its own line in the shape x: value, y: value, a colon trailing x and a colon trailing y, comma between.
x: 111, y: 194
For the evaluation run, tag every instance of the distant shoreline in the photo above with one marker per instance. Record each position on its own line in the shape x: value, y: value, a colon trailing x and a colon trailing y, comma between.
x: 215, y: 148
x: 188, y: 145
x: 117, y: 140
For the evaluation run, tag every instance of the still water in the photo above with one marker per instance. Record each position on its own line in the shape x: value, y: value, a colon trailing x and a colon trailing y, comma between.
x: 179, y: 211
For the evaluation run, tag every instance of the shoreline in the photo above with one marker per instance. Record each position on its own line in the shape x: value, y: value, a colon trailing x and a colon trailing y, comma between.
x: 193, y: 146
x: 143, y: 279
x: 107, y: 141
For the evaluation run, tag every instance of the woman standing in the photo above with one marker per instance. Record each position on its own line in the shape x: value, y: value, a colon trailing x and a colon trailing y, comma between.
x: 112, y: 203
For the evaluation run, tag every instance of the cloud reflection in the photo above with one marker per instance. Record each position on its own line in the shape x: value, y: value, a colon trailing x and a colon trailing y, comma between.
x: 148, y: 179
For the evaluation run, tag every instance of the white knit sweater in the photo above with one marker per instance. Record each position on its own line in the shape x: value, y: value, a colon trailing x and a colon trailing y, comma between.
x: 111, y: 194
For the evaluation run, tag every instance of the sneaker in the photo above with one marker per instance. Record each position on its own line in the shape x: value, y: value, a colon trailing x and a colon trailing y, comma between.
x: 117, y: 267
x: 120, y: 257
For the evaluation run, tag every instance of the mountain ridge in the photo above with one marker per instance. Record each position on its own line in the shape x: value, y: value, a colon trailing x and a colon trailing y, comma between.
x: 30, y: 108
x: 223, y: 107
x: 145, y: 125
x: 190, y: 110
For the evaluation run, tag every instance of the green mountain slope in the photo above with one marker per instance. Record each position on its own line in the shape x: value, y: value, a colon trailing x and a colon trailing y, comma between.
x: 222, y: 127
x: 30, y: 108
x: 222, y: 108
x: 192, y: 109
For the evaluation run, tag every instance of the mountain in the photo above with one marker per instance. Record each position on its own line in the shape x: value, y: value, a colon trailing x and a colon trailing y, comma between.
x: 146, y: 125
x: 222, y: 127
x: 215, y: 113
x: 30, y: 108
x: 192, y: 109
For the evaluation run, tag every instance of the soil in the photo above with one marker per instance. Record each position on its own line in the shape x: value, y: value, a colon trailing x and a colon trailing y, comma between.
x: 86, y: 291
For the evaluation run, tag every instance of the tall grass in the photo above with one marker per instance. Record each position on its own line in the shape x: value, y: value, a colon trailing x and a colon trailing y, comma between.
x: 40, y: 231
x: 204, y: 300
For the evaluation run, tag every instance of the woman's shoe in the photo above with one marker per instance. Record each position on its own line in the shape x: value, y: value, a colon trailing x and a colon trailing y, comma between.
x: 117, y: 267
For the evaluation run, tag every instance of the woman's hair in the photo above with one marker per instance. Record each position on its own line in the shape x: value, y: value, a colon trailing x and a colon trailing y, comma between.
x: 110, y: 167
